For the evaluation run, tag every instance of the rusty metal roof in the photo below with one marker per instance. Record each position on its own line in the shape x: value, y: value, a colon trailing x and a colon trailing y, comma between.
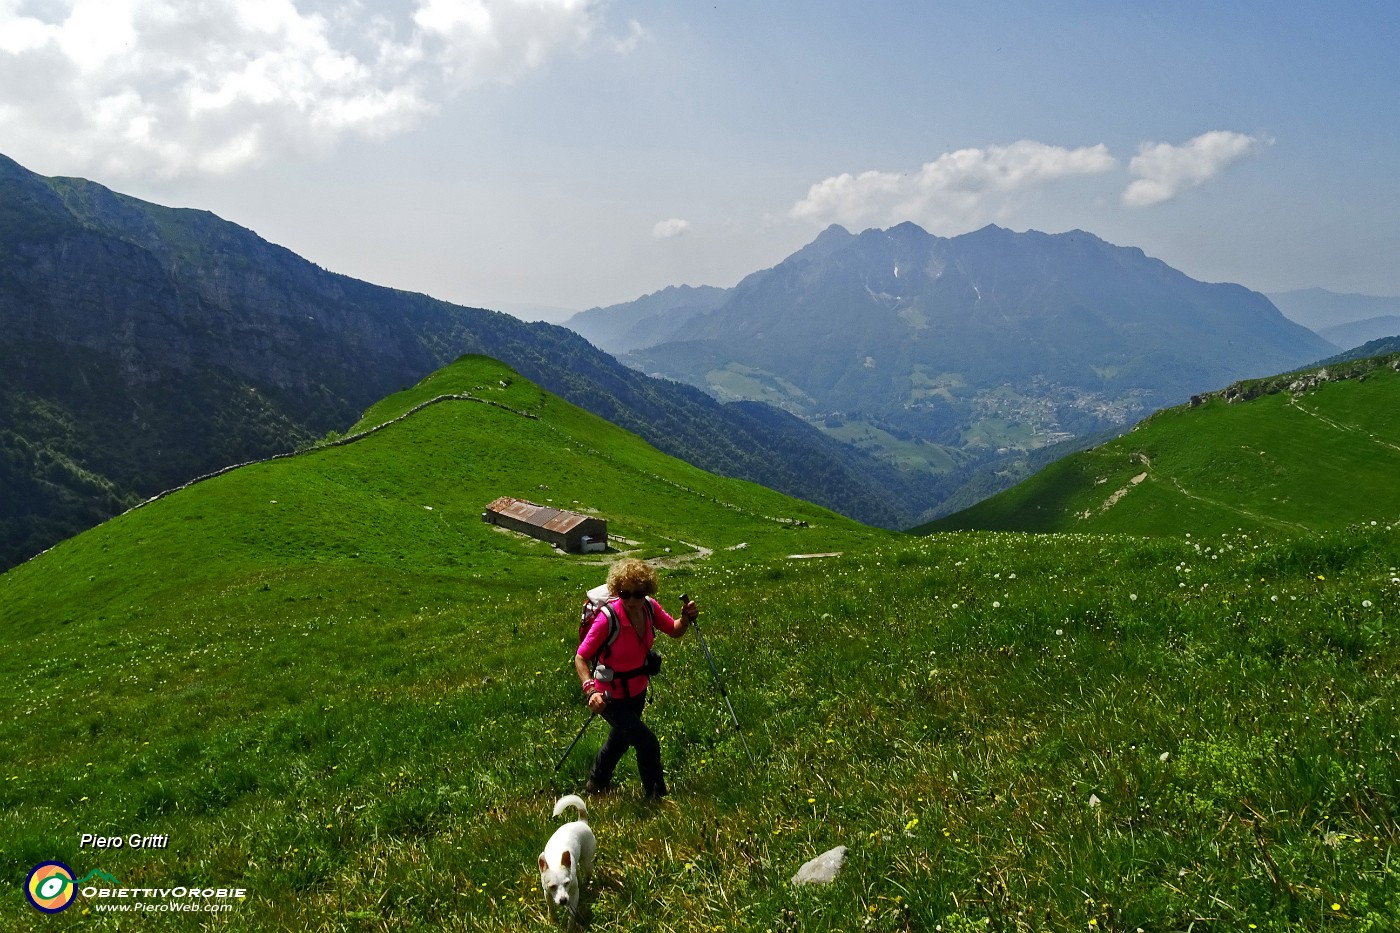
x: 543, y: 516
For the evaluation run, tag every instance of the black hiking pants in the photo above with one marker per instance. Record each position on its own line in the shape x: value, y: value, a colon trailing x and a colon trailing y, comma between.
x: 628, y: 731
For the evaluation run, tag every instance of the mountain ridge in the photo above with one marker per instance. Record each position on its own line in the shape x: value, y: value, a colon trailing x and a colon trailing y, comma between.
x: 647, y: 320
x: 145, y: 345
x: 979, y: 349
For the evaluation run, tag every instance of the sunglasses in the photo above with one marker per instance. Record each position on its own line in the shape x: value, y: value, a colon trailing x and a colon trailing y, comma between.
x: 632, y: 594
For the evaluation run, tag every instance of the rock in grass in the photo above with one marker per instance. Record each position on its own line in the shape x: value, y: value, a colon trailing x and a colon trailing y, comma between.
x: 823, y: 869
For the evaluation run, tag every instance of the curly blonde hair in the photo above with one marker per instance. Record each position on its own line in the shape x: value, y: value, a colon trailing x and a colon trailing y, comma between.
x: 632, y: 574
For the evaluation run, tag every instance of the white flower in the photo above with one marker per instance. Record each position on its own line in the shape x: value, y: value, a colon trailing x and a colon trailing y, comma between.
x: 1365, y: 604
x: 996, y: 604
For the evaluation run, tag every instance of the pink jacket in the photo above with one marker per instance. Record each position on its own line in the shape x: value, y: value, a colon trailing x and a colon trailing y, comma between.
x: 630, y: 649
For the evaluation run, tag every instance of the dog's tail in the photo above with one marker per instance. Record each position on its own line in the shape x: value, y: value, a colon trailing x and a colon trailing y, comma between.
x: 571, y: 800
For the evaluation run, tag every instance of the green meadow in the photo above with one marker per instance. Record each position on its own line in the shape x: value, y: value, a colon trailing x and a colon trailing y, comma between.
x: 1255, y: 456
x: 327, y: 683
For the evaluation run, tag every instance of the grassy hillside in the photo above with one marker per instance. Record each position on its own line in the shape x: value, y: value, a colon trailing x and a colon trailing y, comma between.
x: 329, y: 684
x: 1297, y: 453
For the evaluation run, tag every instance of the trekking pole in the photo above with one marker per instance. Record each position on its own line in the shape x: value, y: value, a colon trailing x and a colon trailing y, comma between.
x: 588, y: 722
x: 722, y: 691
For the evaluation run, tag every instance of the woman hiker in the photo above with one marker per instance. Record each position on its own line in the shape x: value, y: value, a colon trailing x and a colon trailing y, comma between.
x: 613, y: 676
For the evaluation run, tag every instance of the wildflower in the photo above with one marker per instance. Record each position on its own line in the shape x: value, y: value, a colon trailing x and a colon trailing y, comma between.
x: 1133, y: 597
x: 1365, y: 604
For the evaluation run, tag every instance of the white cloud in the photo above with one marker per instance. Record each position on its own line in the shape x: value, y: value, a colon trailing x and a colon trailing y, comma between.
x: 627, y: 44
x: 489, y: 40
x: 171, y: 87
x: 1163, y: 171
x: 666, y: 229
x: 958, y: 189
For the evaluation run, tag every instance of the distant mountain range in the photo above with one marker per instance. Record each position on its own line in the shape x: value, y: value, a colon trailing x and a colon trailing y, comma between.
x: 889, y: 375
x: 1345, y: 320
x: 943, y: 354
x: 141, y: 346
x: 650, y: 320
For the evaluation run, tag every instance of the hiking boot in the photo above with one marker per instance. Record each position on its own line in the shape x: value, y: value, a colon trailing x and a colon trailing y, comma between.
x: 590, y: 788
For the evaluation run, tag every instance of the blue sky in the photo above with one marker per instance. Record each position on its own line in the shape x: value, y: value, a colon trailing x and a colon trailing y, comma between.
x: 530, y: 154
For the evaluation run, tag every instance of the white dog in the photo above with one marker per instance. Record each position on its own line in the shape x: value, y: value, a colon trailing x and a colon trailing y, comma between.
x: 567, y: 860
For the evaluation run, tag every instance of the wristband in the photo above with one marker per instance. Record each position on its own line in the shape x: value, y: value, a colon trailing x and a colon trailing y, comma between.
x: 590, y: 687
